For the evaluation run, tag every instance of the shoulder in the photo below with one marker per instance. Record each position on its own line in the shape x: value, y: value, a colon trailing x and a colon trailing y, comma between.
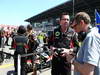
x: 71, y: 32
x: 94, y: 33
x: 57, y: 29
x: 92, y: 39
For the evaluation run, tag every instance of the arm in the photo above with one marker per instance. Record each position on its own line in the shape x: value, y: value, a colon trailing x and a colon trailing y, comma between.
x: 86, y: 55
x: 89, y: 55
x: 84, y: 69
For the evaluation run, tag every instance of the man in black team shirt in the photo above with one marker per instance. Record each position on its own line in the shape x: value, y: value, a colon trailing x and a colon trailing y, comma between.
x: 63, y: 38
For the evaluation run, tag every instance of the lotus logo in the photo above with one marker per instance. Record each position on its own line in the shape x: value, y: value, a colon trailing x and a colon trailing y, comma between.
x: 57, y: 33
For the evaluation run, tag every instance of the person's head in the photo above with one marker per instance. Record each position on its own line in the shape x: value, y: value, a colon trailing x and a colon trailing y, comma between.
x: 64, y: 20
x: 21, y: 29
x: 81, y: 22
x: 29, y: 27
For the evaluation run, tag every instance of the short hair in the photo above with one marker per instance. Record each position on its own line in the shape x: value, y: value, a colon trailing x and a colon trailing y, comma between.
x: 64, y: 13
x: 82, y: 16
x: 21, y: 29
x: 29, y: 27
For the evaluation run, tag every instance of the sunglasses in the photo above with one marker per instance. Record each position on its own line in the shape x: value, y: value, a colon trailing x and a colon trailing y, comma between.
x: 73, y: 25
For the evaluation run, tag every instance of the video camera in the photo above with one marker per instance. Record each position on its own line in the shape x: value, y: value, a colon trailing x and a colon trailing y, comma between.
x: 58, y: 51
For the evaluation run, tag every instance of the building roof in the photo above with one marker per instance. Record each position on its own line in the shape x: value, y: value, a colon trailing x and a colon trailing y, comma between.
x: 79, y: 5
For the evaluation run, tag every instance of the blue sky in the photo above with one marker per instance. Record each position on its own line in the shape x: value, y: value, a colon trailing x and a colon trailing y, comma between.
x: 14, y: 12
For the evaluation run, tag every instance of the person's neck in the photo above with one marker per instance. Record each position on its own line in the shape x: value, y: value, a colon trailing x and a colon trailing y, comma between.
x: 29, y: 31
x: 64, y: 29
x: 87, y: 28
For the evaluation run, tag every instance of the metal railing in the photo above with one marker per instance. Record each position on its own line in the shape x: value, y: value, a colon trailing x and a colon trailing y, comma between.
x: 29, y: 54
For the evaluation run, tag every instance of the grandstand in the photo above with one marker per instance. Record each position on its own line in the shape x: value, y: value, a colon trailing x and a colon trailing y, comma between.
x: 50, y: 16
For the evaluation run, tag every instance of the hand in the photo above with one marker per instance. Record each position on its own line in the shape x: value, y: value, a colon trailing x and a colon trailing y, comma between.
x: 63, y: 53
x: 69, y: 57
x: 52, y: 50
x: 67, y: 51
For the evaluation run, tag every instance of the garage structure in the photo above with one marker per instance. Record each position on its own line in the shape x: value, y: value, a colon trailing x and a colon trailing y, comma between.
x: 47, y: 20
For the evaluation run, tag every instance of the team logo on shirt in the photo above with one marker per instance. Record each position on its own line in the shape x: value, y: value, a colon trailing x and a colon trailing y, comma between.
x: 57, y: 33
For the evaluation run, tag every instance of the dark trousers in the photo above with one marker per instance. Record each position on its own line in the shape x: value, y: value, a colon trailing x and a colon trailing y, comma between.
x: 59, y: 67
x: 23, y: 63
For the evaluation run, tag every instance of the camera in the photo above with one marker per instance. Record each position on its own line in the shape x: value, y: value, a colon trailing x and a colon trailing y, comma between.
x: 58, y: 51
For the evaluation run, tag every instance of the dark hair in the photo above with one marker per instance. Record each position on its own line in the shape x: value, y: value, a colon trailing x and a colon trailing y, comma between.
x: 29, y: 27
x: 64, y: 13
x: 82, y: 16
x: 21, y: 29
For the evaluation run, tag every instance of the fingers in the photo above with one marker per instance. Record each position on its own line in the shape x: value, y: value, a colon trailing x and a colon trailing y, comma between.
x: 69, y: 58
x: 67, y: 51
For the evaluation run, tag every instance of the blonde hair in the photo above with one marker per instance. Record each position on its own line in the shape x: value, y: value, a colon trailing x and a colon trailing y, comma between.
x: 82, y: 16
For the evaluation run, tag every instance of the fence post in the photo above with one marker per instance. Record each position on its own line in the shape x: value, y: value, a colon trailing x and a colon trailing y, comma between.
x: 72, y: 69
x: 19, y: 65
